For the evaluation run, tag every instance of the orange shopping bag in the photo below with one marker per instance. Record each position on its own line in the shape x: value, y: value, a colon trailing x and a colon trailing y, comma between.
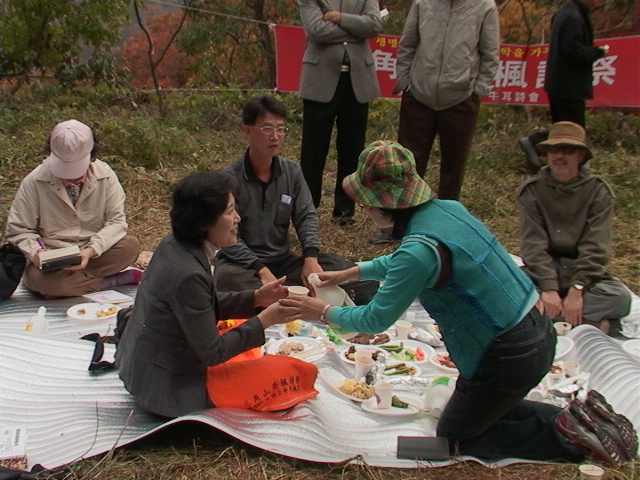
x: 225, y: 326
x: 263, y: 383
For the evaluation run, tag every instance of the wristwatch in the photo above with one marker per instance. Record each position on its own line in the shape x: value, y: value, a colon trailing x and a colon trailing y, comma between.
x: 577, y: 286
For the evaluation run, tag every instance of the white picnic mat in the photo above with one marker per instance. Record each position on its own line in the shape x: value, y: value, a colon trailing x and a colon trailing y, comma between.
x: 70, y: 414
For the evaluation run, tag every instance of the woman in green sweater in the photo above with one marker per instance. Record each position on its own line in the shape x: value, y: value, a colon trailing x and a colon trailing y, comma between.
x: 487, y: 309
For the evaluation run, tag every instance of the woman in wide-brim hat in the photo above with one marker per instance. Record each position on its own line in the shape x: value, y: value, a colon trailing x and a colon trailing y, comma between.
x: 486, y: 308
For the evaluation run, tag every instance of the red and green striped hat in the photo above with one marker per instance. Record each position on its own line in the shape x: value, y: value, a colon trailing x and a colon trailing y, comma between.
x: 386, y: 177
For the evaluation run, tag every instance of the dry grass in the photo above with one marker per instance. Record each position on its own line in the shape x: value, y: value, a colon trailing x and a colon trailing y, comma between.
x: 494, y: 172
x: 196, y: 452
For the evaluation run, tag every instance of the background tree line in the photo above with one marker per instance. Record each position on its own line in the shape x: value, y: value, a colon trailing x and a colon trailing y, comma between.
x: 164, y: 44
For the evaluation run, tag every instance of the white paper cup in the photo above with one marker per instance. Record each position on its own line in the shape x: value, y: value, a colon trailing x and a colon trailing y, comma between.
x: 363, y: 366
x: 591, y: 472
x: 562, y: 328
x: 571, y: 369
x: 551, y: 379
x: 362, y: 354
x: 536, y: 394
x: 402, y: 329
x: 384, y: 391
x: 298, y: 291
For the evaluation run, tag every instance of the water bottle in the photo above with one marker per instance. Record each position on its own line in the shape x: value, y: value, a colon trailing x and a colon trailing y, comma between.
x: 38, y: 323
x: 438, y: 395
x: 333, y: 295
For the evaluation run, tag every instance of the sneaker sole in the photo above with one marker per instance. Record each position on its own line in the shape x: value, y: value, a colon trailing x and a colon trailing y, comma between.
x: 616, y: 453
x: 601, y: 408
x: 582, y: 439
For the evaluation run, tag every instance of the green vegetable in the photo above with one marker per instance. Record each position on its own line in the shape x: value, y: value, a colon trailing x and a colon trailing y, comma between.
x: 401, y: 371
x: 333, y: 337
x: 405, y: 355
x: 392, y: 348
x: 397, y: 365
x: 396, y: 402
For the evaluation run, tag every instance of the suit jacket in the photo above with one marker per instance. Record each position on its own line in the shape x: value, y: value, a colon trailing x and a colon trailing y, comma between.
x: 327, y: 42
x: 171, y: 337
x: 569, y: 72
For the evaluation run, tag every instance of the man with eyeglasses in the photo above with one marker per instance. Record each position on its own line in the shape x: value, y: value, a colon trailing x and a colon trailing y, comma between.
x: 271, y: 195
x: 566, y: 218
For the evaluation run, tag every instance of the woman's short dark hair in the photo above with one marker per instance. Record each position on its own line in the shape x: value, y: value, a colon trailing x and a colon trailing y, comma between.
x: 260, y: 105
x: 198, y: 200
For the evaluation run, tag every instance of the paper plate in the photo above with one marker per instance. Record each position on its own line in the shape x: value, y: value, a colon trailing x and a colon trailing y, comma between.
x: 92, y: 312
x: 409, y: 397
x: 416, y: 368
x: 563, y: 347
x: 284, y: 333
x: 369, y: 348
x: 632, y: 347
x: 333, y: 379
x: 412, y: 344
x: 308, y: 343
x: 433, y: 359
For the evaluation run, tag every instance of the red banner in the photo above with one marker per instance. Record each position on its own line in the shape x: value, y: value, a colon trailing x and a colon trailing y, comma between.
x: 520, y: 79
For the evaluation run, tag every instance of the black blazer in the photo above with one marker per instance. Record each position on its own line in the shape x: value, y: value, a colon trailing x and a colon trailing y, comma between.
x: 569, y: 72
x: 171, y: 337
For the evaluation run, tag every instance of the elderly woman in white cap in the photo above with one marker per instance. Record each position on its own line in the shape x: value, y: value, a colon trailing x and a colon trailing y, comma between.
x: 487, y: 310
x: 73, y: 199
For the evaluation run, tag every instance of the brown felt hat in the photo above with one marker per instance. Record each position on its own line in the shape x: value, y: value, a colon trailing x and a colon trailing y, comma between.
x: 565, y: 133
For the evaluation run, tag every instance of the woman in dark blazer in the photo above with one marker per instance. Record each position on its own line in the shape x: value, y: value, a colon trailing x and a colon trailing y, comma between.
x: 171, y: 338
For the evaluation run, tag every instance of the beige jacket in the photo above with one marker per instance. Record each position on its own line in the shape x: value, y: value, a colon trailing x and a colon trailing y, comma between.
x: 326, y: 45
x: 449, y: 50
x: 42, y: 208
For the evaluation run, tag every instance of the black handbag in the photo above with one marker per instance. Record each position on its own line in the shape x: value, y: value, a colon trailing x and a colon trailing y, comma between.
x: 361, y: 291
x: 12, y: 263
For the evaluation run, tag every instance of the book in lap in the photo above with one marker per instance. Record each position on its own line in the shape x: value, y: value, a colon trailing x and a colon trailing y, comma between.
x: 59, y: 258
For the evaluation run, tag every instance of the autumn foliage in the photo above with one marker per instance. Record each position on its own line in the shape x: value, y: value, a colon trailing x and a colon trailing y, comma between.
x: 173, y: 71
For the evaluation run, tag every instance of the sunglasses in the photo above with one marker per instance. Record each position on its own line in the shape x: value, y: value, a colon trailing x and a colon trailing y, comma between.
x: 564, y: 149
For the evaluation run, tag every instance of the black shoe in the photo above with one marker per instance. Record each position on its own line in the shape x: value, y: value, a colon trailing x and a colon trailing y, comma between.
x: 533, y: 161
x: 346, y: 223
x: 381, y: 238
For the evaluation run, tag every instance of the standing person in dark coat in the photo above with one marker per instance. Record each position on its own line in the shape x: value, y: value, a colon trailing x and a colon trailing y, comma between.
x: 569, y: 73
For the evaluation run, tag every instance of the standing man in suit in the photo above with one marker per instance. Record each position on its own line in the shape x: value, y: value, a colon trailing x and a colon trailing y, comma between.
x: 338, y: 80
x: 569, y: 72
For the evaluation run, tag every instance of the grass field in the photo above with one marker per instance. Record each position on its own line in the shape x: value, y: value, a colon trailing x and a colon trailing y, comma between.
x: 202, y: 132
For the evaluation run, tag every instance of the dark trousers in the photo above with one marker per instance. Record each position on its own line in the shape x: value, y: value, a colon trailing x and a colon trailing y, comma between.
x: 455, y: 127
x: 562, y: 110
x: 73, y: 283
x: 487, y: 416
x: 567, y: 110
x: 350, y: 117
x: 231, y: 277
